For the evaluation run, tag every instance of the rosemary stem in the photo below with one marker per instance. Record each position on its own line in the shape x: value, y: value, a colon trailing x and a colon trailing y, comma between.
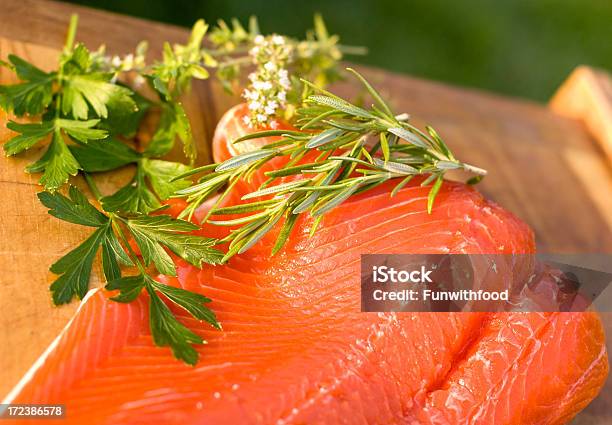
x: 473, y: 169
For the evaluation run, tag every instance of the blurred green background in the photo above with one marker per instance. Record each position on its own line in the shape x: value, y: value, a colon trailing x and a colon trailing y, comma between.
x: 521, y: 48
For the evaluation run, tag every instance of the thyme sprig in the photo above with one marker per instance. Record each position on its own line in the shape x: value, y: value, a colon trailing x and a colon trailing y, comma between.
x: 357, y: 150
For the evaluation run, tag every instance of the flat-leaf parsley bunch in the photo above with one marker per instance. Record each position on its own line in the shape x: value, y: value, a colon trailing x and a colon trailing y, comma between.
x: 88, y: 117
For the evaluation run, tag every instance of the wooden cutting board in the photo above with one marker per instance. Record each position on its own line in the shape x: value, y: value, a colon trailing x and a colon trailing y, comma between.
x: 547, y: 164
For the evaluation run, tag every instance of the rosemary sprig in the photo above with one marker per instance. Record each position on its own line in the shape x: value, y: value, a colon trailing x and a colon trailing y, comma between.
x: 347, y: 138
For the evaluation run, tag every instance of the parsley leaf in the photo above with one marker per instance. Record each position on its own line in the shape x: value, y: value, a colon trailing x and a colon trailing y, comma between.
x: 112, y: 254
x: 168, y: 331
x: 161, y: 173
x: 82, y: 131
x: 33, y: 95
x: 192, y: 302
x: 173, y: 123
x: 74, y: 268
x: 122, y: 117
x: 153, y: 233
x: 75, y: 209
x: 30, y: 134
x: 84, y: 87
x: 129, y: 287
x: 35, y: 132
x: 104, y: 155
x: 95, y: 90
x: 57, y: 163
x: 135, y: 197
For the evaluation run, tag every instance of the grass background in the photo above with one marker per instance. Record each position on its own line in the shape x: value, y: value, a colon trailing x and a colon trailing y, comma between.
x: 522, y: 48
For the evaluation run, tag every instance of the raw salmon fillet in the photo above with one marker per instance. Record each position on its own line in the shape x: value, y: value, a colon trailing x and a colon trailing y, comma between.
x: 295, y: 348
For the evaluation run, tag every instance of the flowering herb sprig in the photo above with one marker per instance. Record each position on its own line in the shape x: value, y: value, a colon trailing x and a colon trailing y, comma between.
x: 266, y: 94
x: 345, y: 165
x: 274, y: 89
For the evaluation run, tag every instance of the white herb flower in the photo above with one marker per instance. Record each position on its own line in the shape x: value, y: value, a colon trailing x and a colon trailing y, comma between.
x: 284, y: 82
x: 267, y: 93
x: 254, y: 106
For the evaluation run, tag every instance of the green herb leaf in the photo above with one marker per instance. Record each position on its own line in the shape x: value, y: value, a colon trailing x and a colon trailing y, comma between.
x: 173, y: 123
x: 110, y: 264
x: 135, y: 197
x: 33, y: 95
x: 57, y: 163
x: 168, y: 331
x: 153, y: 233
x: 384, y: 146
x: 129, y: 286
x: 244, y: 159
x: 93, y: 90
x: 408, y: 136
x: 75, y: 209
x: 30, y: 135
x: 125, y: 113
x: 104, y: 155
x: 190, y: 301
x: 161, y: 175
x: 75, y: 269
x: 433, y: 192
x: 285, y: 232
x: 340, y: 105
x: 83, y: 131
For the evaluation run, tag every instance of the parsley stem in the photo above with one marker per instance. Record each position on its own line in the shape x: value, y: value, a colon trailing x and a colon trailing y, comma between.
x: 126, y: 242
x: 92, y: 186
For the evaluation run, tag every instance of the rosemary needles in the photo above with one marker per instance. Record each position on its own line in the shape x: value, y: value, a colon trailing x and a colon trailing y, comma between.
x: 357, y: 149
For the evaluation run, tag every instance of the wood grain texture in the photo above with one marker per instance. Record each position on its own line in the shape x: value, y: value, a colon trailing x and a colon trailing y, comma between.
x: 544, y: 167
